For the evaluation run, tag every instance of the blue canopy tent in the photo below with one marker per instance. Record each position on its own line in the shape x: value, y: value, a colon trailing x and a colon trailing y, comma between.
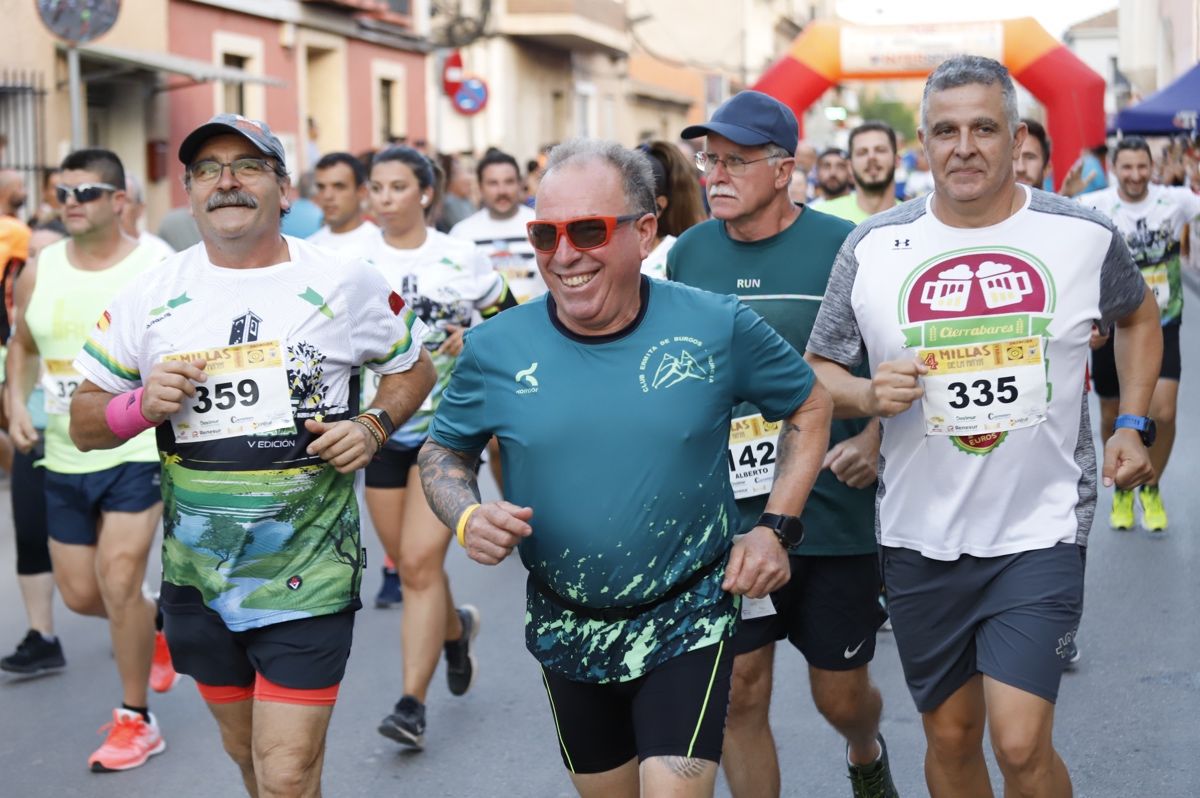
x: 1169, y: 111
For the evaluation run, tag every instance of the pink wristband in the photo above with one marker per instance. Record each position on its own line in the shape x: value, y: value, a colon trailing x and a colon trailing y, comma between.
x: 124, y: 415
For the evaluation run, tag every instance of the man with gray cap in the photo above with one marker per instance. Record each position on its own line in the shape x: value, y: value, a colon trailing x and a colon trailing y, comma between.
x: 776, y: 256
x: 255, y: 406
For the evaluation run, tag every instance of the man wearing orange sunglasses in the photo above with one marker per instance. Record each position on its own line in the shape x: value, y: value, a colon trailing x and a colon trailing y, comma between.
x: 611, y: 398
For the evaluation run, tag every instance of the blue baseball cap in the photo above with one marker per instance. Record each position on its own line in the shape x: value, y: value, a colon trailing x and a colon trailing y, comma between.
x: 254, y: 131
x: 751, y: 119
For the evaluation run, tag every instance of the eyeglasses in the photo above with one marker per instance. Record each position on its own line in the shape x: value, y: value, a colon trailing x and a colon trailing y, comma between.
x: 210, y: 171
x: 735, y: 165
x: 84, y: 192
x: 583, y: 232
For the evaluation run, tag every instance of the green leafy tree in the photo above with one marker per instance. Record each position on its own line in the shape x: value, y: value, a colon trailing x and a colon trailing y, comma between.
x: 897, y: 114
x: 224, y: 537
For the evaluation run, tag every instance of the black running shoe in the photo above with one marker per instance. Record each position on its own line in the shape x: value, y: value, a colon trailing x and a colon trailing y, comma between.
x: 406, y: 724
x: 460, y: 662
x: 874, y: 780
x: 389, y: 594
x: 35, y: 654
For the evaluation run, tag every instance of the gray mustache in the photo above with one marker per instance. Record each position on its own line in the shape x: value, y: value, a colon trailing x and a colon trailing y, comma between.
x: 231, y: 199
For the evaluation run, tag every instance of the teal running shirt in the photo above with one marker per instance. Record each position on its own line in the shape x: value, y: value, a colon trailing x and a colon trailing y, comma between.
x: 619, y: 444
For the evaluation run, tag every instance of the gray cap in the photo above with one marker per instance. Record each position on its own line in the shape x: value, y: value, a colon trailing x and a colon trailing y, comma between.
x: 254, y: 131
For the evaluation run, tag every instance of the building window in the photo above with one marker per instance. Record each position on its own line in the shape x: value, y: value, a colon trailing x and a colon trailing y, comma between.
x: 386, y: 89
x: 234, y: 92
x: 399, y: 7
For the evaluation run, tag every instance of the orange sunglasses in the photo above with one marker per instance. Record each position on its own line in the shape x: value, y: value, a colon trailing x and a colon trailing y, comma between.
x: 583, y: 232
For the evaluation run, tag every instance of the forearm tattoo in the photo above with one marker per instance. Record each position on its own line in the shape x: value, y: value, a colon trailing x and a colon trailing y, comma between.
x: 448, y: 478
x: 790, y: 436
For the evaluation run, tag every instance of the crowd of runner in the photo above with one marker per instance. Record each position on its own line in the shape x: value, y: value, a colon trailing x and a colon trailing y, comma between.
x: 859, y: 377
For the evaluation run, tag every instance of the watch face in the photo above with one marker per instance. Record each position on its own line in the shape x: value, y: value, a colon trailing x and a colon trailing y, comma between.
x: 79, y: 21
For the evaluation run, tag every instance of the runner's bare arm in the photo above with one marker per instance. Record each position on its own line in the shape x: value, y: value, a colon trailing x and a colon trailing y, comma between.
x: 890, y: 391
x: 402, y: 394
x: 451, y: 488
x: 20, y: 368
x: 1138, y: 353
x: 163, y: 393
x: 757, y: 563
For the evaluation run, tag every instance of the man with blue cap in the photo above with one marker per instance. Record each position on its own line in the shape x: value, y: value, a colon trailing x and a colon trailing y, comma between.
x: 776, y: 255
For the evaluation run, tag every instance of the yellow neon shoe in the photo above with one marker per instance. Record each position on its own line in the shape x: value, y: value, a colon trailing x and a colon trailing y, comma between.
x: 1122, y: 510
x: 1154, y: 515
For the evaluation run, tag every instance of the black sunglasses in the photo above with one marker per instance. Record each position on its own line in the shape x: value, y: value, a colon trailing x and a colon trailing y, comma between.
x: 84, y: 192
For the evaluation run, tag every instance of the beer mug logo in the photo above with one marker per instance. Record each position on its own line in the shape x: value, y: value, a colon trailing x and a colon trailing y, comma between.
x: 950, y: 291
x: 1001, y: 285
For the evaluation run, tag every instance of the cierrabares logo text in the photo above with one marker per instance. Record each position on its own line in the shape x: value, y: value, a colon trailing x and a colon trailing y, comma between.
x: 674, y: 360
x: 977, y: 296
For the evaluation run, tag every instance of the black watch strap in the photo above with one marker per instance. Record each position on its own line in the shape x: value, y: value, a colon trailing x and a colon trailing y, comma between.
x: 789, y: 529
x: 383, y: 418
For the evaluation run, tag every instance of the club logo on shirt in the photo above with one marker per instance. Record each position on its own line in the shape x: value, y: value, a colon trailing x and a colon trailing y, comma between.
x: 294, y: 583
x: 526, y: 376
x: 977, y: 296
x: 678, y: 363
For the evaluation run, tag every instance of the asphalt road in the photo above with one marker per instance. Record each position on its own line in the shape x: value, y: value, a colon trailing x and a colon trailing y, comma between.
x: 1127, y: 725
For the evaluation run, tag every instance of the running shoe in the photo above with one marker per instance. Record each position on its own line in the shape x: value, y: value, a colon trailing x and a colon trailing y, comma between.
x: 406, y: 724
x: 162, y: 672
x: 460, y: 662
x: 389, y: 594
x: 874, y: 780
x: 130, y: 742
x: 1154, y: 515
x: 1122, y: 510
x: 35, y: 654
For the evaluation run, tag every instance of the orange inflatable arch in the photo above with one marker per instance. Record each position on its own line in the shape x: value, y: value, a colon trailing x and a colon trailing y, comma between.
x: 828, y: 52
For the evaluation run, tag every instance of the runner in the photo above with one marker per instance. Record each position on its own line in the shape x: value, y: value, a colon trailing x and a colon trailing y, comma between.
x: 104, y: 506
x: 833, y: 175
x: 976, y: 304
x: 1034, y: 155
x: 341, y: 181
x: 499, y: 226
x: 444, y: 281
x: 776, y: 256
x: 40, y: 651
x: 135, y: 207
x: 873, y: 166
x: 261, y: 553
x: 1152, y: 218
x: 677, y: 198
x: 613, y: 433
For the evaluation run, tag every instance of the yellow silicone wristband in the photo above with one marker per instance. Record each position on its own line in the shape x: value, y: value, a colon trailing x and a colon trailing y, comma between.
x: 462, y: 524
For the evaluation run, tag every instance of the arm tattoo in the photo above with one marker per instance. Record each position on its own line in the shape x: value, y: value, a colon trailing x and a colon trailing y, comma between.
x: 686, y: 767
x: 448, y: 478
x: 789, y: 438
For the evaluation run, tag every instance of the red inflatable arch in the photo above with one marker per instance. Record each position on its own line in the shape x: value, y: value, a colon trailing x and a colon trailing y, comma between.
x: 828, y: 52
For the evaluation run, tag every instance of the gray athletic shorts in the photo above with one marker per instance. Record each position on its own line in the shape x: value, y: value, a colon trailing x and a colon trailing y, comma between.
x: 1010, y: 617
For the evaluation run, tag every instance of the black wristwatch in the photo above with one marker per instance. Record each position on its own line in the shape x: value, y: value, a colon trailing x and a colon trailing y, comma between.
x: 788, y: 529
x: 1144, y: 425
x: 381, y: 415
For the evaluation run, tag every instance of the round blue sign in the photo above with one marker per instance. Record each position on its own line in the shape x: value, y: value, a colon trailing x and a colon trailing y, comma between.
x: 471, y: 97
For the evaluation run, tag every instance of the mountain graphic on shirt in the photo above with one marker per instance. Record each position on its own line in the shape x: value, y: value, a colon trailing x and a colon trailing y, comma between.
x: 674, y: 370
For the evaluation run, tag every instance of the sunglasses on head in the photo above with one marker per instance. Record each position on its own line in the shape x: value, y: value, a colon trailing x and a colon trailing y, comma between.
x: 84, y: 192
x: 583, y: 232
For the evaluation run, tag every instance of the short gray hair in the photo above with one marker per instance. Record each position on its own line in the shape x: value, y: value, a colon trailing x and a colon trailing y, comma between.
x: 776, y: 153
x: 637, y: 178
x: 133, y: 189
x: 966, y: 70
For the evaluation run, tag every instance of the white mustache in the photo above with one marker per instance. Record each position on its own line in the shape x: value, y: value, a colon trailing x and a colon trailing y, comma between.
x: 229, y: 199
x: 721, y: 190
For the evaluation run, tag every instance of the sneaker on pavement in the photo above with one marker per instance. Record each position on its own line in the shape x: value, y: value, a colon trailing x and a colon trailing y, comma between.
x: 131, y: 741
x: 874, y: 780
x: 1121, y: 516
x: 35, y: 654
x: 460, y: 662
x: 389, y: 594
x: 1154, y: 515
x: 162, y: 673
x: 406, y: 724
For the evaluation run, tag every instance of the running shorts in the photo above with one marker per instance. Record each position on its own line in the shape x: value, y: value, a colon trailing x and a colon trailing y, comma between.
x: 829, y: 610
x: 1011, y: 617
x: 74, y: 502
x: 677, y: 709
x: 1104, y: 364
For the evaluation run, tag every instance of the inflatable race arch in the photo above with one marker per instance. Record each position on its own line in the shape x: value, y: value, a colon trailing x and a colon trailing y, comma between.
x: 828, y: 52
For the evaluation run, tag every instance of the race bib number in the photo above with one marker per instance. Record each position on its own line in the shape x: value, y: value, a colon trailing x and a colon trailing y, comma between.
x: 59, y: 381
x: 980, y: 388
x: 752, y: 455
x: 246, y: 394
x: 1156, y: 277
